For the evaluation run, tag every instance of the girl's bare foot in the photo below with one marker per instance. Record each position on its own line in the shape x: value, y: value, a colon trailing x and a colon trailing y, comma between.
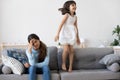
x: 64, y: 67
x: 70, y: 70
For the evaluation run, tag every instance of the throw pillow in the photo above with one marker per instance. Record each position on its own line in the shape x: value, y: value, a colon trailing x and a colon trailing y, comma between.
x: 110, y: 59
x: 16, y: 66
x: 6, y: 70
x: 18, y: 54
x: 114, y: 67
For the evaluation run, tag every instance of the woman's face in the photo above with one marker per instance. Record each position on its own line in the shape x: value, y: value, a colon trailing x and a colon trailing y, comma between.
x: 36, y: 44
x: 72, y: 8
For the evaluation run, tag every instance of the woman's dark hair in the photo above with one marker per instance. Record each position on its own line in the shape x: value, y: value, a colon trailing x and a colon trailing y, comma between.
x: 32, y: 36
x: 66, y: 6
x: 43, y: 47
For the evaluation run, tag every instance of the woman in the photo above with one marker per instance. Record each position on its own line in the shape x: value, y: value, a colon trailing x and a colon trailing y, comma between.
x: 38, y: 57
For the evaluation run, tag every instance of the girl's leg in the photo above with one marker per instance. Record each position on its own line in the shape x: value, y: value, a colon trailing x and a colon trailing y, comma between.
x: 71, y: 55
x: 64, y: 56
x: 32, y: 73
x: 46, y: 73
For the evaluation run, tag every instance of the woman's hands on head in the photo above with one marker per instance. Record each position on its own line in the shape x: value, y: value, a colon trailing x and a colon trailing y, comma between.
x: 30, y: 45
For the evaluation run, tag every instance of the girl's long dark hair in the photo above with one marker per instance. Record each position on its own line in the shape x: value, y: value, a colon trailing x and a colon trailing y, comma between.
x: 66, y: 6
x: 43, y: 48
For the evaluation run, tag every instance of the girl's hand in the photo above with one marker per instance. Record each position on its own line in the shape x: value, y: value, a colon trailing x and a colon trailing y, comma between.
x: 78, y: 41
x: 56, y: 38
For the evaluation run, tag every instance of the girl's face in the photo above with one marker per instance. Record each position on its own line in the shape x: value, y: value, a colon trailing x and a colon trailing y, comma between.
x: 36, y: 44
x: 72, y: 8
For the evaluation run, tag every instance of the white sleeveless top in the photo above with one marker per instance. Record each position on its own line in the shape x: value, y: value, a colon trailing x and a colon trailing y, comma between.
x: 68, y: 31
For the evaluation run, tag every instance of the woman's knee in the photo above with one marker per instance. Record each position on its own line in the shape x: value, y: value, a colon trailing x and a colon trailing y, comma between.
x: 45, y: 68
x: 32, y: 68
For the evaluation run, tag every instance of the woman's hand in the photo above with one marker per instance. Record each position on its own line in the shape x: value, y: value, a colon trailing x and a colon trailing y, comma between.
x: 56, y: 38
x: 27, y: 65
x: 30, y: 45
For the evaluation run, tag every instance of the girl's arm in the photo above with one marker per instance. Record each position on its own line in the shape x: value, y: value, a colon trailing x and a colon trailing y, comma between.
x: 61, y: 25
x: 78, y: 40
x: 45, y: 62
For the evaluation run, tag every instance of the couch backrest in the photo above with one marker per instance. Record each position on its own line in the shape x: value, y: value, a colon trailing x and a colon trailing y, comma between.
x: 86, y: 58
x: 53, y: 64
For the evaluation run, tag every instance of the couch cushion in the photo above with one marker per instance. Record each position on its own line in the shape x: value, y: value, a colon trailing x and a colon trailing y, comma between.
x: 54, y: 76
x: 98, y: 74
x: 86, y: 58
x: 53, y: 64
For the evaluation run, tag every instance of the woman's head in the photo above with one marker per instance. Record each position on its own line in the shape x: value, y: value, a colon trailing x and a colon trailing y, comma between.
x: 68, y: 7
x: 38, y: 44
x: 34, y: 40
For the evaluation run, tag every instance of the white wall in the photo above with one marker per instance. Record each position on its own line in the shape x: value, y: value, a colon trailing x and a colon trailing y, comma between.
x: 19, y: 18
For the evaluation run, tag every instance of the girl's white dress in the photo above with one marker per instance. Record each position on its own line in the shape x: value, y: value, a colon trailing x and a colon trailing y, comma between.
x: 68, y: 31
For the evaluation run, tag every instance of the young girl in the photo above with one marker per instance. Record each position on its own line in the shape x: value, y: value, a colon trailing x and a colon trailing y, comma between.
x: 68, y: 32
x: 38, y: 57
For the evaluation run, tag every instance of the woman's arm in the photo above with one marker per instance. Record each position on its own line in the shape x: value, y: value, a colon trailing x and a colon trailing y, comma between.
x: 29, y: 53
x: 61, y: 25
x: 45, y: 62
x: 30, y: 57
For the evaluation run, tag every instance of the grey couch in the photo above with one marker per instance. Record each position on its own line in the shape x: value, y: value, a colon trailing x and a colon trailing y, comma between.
x: 86, y: 66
